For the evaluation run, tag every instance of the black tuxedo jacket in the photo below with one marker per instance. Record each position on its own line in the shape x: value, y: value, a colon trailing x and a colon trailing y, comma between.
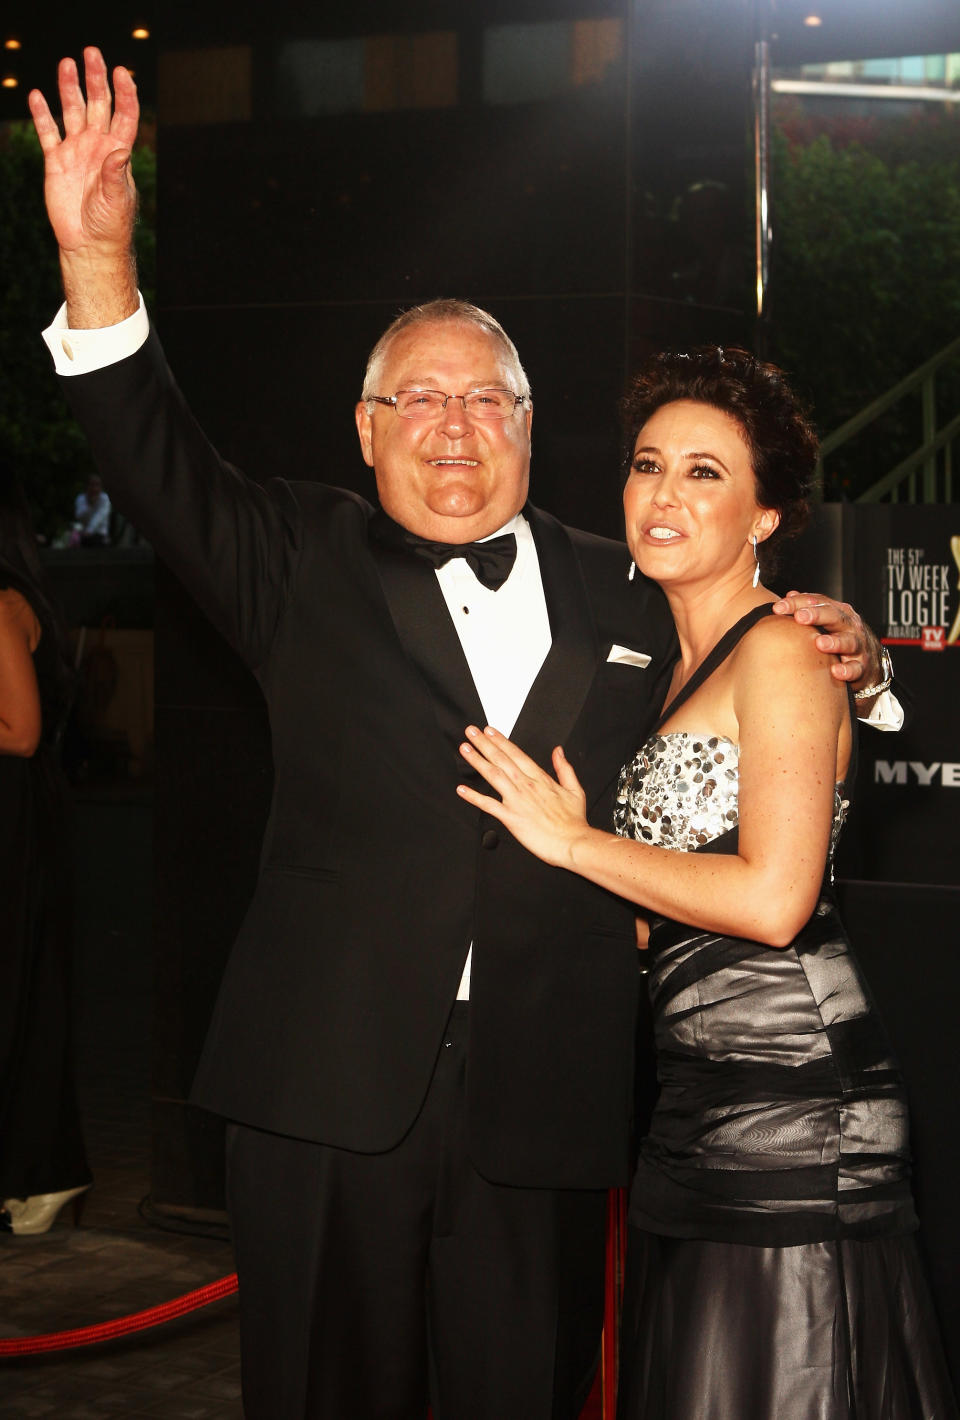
x: 375, y: 876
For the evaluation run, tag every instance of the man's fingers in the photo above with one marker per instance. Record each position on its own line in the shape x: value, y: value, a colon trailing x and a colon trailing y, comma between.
x: 814, y: 607
x: 126, y: 108
x: 841, y: 643
x: 98, y: 90
x: 114, y: 175
x: 48, y: 130
x: 820, y: 614
x: 71, y: 99
x: 851, y: 670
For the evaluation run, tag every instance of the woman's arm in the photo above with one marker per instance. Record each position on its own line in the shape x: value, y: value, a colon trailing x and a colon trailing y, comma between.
x: 790, y: 712
x: 20, y: 716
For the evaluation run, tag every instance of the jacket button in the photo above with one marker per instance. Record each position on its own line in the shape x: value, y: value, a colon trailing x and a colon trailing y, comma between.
x: 490, y: 838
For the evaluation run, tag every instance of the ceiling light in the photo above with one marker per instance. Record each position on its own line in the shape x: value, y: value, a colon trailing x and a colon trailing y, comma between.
x: 9, y: 81
x: 141, y: 32
x: 814, y: 21
x: 11, y: 43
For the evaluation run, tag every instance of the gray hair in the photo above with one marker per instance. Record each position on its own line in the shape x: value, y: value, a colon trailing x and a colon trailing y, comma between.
x: 430, y: 313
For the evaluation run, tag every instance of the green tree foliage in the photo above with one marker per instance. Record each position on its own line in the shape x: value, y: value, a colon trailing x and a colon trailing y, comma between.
x: 38, y: 438
x: 866, y: 274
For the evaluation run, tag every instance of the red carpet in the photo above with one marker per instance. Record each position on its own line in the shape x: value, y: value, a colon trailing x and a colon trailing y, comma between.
x: 593, y: 1410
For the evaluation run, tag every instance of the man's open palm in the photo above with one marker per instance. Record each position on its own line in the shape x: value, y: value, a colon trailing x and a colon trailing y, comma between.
x: 90, y: 195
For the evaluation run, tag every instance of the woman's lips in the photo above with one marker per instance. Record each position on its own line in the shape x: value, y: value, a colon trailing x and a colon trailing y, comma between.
x: 661, y: 534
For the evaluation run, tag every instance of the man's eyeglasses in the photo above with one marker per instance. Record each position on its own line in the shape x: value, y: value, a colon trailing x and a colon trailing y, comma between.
x: 427, y: 404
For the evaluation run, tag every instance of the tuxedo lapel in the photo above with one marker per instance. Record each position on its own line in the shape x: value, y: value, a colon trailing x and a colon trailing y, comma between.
x: 556, y: 697
x: 429, y: 638
x: 597, y: 710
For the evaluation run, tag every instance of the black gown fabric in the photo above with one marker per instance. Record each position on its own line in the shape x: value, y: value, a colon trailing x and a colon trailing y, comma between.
x: 41, y: 1142
x: 772, y: 1271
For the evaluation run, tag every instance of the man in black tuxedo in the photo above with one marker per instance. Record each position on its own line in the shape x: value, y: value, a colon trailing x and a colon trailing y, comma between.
x: 416, y: 1184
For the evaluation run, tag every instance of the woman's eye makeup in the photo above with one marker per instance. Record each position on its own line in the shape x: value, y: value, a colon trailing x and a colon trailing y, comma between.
x: 644, y: 464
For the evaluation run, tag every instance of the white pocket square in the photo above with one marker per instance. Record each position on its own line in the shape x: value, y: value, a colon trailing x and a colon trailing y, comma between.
x: 623, y: 656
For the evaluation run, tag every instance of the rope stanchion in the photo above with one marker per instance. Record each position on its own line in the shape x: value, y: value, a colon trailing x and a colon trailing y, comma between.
x: 122, y: 1326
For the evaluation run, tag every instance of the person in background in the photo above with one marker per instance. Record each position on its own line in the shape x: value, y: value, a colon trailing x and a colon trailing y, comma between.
x: 772, y: 1270
x: 43, y: 1164
x: 91, y: 514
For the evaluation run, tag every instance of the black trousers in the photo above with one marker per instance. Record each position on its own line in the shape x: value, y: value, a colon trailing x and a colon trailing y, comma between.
x: 374, y: 1285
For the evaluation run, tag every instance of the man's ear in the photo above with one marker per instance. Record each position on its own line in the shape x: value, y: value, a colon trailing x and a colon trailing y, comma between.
x: 365, y: 430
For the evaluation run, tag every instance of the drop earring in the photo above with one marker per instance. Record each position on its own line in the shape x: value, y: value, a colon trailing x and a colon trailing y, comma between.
x: 633, y: 572
x: 756, y: 555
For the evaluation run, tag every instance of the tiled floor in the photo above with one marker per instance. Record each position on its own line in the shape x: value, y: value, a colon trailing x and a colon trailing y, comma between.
x: 115, y: 1262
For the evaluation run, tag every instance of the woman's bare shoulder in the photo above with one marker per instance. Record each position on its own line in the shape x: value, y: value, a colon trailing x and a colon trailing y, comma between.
x: 17, y: 615
x: 780, y: 649
x: 782, y: 640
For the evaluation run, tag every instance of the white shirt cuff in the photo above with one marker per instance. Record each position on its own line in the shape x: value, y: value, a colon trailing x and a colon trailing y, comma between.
x: 886, y: 712
x: 80, y: 352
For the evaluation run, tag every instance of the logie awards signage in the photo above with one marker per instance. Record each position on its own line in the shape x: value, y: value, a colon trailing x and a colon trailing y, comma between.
x: 902, y: 569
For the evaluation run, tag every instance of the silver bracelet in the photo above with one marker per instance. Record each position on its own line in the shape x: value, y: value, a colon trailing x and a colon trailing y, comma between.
x: 872, y: 690
x: 886, y: 670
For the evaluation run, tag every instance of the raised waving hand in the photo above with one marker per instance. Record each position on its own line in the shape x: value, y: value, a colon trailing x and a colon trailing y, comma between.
x: 90, y: 194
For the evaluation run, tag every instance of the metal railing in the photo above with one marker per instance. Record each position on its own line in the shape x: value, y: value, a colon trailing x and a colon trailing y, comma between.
x: 926, y: 475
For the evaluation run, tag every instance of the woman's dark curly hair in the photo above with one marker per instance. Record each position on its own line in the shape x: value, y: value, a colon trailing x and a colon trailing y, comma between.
x: 776, y: 426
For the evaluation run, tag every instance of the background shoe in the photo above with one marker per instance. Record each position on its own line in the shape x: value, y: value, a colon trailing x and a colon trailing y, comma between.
x: 36, y: 1214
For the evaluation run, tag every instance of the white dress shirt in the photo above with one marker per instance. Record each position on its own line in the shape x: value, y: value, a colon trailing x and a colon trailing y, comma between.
x: 92, y: 519
x: 505, y: 635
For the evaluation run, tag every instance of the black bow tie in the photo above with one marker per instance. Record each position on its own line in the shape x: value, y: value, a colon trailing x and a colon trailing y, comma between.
x: 491, y: 562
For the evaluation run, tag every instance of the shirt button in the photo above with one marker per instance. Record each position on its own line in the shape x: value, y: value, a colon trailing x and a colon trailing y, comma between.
x: 490, y: 838
x: 67, y: 348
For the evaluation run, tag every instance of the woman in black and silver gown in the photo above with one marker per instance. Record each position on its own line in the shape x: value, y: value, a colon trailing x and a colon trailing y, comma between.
x: 772, y: 1272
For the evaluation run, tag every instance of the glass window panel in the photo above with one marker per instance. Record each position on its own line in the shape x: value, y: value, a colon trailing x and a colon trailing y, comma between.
x: 913, y: 70
x: 886, y: 69
x: 411, y: 71
x: 523, y: 63
x: 316, y: 76
x: 372, y: 74
x: 206, y: 85
x: 596, y: 49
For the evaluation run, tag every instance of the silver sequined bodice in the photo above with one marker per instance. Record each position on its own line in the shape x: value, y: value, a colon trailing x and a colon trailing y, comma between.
x: 681, y: 791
